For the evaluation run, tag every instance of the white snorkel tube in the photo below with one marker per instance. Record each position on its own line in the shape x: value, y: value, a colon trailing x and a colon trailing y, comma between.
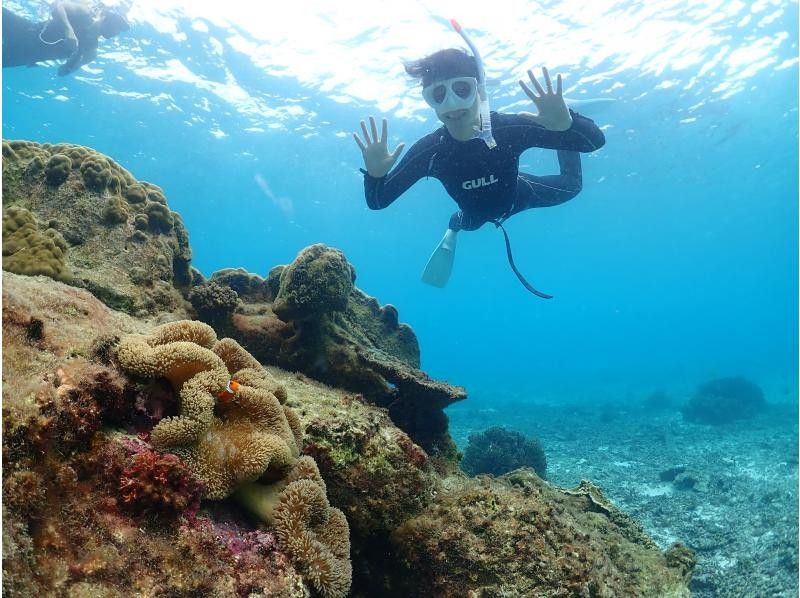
x: 484, y: 130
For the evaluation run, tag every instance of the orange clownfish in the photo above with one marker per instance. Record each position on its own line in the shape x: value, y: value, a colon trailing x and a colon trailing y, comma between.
x: 230, y: 391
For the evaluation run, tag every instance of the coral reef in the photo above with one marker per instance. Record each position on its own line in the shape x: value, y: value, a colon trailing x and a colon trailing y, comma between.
x: 724, y: 400
x: 497, y: 451
x: 658, y: 401
x: 233, y: 429
x: 116, y: 429
x: 83, y: 228
x: 309, y: 316
x: 517, y: 536
x: 29, y: 250
x: 317, y: 282
x: 57, y: 168
x: 225, y: 443
x: 68, y: 528
x: 684, y: 478
x: 214, y: 303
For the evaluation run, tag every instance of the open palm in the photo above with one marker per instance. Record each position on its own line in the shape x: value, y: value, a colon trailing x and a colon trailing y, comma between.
x: 377, y: 158
x: 553, y: 112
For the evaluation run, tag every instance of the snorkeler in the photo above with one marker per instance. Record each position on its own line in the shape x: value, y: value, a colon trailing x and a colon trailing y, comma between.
x: 70, y: 35
x: 476, y: 154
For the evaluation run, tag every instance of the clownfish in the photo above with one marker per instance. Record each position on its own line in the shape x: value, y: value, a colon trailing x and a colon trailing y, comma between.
x: 230, y: 391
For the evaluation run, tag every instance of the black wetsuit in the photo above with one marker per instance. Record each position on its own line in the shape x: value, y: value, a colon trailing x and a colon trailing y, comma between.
x: 26, y: 42
x: 486, y: 183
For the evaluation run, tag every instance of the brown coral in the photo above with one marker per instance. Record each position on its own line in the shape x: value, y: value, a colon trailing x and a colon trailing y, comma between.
x: 31, y: 251
x: 96, y: 173
x: 57, y: 169
x: 251, y: 435
x: 248, y: 437
x: 316, y: 535
x: 318, y: 281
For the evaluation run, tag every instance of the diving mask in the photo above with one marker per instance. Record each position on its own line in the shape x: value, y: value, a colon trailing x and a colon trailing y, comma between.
x: 484, y: 129
x: 457, y: 93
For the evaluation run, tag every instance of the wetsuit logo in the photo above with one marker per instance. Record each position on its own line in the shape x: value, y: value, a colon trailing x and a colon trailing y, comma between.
x: 477, y: 183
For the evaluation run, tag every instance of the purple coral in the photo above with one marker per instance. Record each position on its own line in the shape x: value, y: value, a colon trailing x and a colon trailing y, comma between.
x: 159, y: 483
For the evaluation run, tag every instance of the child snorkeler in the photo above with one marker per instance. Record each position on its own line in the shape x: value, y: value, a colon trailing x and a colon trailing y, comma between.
x: 475, y: 155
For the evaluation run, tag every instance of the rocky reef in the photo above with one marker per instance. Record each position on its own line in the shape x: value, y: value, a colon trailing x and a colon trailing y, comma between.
x: 724, y: 400
x: 280, y: 449
x: 498, y: 450
x: 309, y: 316
x: 77, y: 216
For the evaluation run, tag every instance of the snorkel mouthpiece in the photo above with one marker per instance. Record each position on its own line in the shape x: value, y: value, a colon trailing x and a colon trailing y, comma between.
x: 484, y: 130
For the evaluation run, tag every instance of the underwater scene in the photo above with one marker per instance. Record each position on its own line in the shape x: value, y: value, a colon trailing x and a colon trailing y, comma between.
x: 416, y: 299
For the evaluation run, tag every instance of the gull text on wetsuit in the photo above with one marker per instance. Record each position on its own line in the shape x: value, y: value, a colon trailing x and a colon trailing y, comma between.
x: 481, y: 182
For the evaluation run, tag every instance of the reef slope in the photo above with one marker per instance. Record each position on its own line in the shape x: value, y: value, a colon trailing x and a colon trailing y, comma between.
x: 92, y: 508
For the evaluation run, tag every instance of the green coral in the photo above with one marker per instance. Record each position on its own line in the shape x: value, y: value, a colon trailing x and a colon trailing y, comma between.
x: 318, y: 281
x: 154, y: 193
x: 214, y: 303
x: 30, y: 251
x: 159, y: 217
x: 35, y: 167
x: 181, y: 262
x: 141, y: 222
x: 136, y: 193
x: 96, y: 173
x: 115, y: 184
x: 498, y: 450
x: 76, y: 153
x: 250, y: 287
x: 57, y: 169
x: 8, y: 151
x: 115, y: 212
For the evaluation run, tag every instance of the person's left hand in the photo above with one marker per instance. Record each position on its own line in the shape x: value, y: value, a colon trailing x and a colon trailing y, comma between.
x: 553, y: 112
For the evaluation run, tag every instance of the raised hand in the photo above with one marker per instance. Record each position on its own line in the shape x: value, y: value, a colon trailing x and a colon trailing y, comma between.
x: 377, y: 158
x: 553, y: 112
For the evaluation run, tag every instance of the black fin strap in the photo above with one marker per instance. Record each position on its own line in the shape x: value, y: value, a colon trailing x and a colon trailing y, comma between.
x: 524, y: 282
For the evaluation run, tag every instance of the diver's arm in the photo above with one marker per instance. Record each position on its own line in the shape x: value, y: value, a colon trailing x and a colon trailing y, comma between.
x: 582, y: 136
x: 382, y: 187
x: 380, y: 192
x: 83, y: 56
x: 556, y: 126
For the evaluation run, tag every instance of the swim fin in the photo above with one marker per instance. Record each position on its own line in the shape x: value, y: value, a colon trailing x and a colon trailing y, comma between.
x: 440, y: 265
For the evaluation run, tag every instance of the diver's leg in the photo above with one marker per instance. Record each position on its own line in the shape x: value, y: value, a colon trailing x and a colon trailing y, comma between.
x: 545, y: 191
x: 440, y: 264
x: 462, y: 221
x: 21, y: 43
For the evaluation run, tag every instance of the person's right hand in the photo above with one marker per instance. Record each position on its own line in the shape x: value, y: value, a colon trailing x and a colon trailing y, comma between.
x: 377, y: 158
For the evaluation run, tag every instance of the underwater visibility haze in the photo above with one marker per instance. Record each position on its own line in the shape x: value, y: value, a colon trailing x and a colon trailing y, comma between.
x: 676, y: 264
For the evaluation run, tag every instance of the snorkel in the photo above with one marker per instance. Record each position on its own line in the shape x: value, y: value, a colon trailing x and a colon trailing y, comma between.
x: 484, y: 129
